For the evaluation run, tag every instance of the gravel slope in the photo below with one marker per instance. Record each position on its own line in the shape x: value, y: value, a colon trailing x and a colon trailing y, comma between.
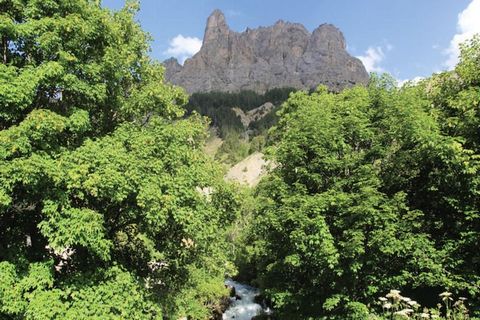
x: 249, y: 171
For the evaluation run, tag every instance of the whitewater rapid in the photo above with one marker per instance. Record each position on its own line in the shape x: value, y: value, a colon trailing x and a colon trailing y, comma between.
x: 243, y: 305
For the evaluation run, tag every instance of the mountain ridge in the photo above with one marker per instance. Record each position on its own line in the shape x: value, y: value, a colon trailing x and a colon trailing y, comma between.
x: 282, y: 55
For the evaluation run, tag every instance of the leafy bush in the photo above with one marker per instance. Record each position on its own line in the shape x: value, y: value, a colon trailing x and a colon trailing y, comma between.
x: 233, y: 150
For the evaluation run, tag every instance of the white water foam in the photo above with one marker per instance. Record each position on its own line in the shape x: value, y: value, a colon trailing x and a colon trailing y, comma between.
x: 244, y: 308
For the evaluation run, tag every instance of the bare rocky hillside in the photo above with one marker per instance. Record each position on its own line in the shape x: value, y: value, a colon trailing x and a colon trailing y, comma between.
x: 283, y: 55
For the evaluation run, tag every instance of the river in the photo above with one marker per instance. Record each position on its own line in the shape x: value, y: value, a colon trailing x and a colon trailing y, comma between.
x: 243, y: 305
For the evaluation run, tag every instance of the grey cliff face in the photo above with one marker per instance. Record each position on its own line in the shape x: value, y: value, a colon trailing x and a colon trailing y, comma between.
x: 282, y: 55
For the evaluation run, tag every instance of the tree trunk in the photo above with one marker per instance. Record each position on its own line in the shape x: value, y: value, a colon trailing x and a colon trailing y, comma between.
x: 5, y: 48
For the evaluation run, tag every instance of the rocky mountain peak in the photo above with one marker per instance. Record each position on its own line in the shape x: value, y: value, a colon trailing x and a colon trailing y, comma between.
x: 171, y: 67
x: 283, y: 55
x: 216, y: 26
x: 328, y: 37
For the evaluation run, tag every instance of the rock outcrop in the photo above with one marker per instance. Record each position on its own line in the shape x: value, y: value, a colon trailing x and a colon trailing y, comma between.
x: 253, y: 115
x: 282, y: 55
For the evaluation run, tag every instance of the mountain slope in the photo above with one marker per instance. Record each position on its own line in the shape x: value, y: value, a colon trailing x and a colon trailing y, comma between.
x: 250, y: 170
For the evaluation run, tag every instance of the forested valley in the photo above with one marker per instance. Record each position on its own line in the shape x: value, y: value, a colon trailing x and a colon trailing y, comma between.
x: 111, y: 209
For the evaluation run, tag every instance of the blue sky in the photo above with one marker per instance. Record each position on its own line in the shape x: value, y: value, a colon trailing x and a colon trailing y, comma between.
x: 407, y: 38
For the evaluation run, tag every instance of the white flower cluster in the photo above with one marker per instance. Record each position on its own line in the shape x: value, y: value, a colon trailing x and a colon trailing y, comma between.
x: 396, y: 306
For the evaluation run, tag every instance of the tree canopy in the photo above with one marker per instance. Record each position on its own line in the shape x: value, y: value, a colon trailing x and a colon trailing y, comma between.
x: 108, y: 207
x: 376, y: 188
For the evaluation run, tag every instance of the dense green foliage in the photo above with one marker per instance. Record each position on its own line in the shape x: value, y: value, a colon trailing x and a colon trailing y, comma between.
x: 218, y: 107
x: 103, y: 208
x: 233, y: 149
x: 109, y: 208
x: 376, y: 188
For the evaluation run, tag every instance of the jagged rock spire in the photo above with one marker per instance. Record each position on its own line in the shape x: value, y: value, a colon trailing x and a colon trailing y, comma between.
x: 216, y: 26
